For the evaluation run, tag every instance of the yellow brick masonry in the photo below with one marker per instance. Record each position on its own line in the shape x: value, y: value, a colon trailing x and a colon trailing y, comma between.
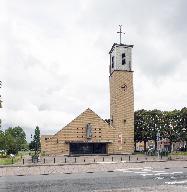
x: 122, y: 110
x: 76, y: 131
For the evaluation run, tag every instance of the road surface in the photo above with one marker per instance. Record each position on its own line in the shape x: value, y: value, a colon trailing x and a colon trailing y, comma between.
x: 118, y: 180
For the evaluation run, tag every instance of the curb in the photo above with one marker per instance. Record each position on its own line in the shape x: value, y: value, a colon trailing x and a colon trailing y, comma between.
x: 91, y: 163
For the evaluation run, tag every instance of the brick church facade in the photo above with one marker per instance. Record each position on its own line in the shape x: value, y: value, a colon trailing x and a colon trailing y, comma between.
x: 90, y: 134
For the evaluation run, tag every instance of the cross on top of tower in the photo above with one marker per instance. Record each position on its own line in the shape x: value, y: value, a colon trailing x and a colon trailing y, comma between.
x: 120, y: 32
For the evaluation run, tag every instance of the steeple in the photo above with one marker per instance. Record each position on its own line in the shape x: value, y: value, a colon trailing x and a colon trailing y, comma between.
x: 122, y: 96
x: 120, y: 55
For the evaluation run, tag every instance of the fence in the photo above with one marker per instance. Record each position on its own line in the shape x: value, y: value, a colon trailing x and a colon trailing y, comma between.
x: 91, y: 159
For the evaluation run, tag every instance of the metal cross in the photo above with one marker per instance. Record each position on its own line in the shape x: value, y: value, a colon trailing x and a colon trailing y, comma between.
x: 120, y: 32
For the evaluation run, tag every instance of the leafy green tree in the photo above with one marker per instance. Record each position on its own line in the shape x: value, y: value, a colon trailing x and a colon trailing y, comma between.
x: 10, y: 143
x: 32, y: 145
x: 154, y: 122
x: 183, y: 126
x: 2, y: 140
x: 36, y: 139
x: 171, y: 126
x: 15, y: 139
x: 142, y: 132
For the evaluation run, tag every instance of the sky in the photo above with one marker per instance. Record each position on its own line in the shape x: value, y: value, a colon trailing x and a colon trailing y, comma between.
x: 54, y: 60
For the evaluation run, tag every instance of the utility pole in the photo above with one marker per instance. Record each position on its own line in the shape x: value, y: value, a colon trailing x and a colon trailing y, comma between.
x: 158, y: 139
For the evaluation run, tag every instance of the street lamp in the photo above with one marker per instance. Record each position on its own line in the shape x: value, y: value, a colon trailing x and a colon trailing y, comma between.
x: 184, y: 139
x: 35, y: 146
x: 158, y: 139
x: 35, y: 157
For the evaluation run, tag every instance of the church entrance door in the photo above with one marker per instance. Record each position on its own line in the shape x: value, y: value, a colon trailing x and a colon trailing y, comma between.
x: 88, y: 148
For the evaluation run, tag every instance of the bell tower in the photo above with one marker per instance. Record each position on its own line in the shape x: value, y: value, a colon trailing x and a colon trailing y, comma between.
x: 122, y: 96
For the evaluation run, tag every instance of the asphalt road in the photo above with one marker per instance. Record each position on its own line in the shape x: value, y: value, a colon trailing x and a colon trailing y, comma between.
x: 137, y: 179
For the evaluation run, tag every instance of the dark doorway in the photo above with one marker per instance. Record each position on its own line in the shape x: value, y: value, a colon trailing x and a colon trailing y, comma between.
x: 88, y: 148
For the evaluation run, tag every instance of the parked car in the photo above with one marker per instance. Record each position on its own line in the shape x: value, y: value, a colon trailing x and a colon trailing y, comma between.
x: 181, y: 149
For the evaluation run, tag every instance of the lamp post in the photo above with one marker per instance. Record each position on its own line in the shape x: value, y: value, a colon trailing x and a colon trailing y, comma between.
x: 184, y: 139
x: 158, y: 139
x: 35, y: 146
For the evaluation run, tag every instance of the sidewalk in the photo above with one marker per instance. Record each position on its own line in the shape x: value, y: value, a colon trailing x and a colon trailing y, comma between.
x: 86, y: 160
x: 44, y: 169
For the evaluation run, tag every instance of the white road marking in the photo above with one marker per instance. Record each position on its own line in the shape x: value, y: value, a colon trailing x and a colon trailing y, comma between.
x: 123, y: 170
x: 135, y: 168
x: 146, y: 171
x: 176, y: 182
x: 143, y: 172
x: 162, y: 173
x: 107, y: 162
x: 148, y: 174
x: 158, y: 171
x: 148, y: 168
x: 159, y: 178
x: 180, y: 172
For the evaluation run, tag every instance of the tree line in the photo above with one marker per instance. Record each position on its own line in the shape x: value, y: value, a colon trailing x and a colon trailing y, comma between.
x: 13, y: 140
x: 172, y: 125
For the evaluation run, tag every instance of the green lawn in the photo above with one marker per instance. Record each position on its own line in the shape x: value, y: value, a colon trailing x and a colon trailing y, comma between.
x: 8, y: 160
x: 23, y: 153
x: 179, y: 153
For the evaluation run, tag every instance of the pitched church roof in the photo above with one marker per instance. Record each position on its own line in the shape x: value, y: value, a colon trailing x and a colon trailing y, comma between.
x: 88, y: 116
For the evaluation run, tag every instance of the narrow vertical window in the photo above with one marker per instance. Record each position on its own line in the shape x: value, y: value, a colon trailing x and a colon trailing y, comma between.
x: 123, y: 59
x: 112, y: 61
x: 123, y: 62
x: 130, y: 65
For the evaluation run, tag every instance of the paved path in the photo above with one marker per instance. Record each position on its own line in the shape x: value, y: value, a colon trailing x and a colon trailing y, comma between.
x: 83, y: 168
x: 90, y: 159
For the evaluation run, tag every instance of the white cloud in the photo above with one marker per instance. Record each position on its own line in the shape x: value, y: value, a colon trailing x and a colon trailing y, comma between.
x: 54, y: 57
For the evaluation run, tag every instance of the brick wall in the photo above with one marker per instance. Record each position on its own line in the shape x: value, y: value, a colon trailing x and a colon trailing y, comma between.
x: 76, y: 131
x: 122, y: 110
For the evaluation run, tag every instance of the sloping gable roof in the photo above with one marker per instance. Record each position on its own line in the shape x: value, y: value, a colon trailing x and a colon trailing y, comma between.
x: 86, y: 114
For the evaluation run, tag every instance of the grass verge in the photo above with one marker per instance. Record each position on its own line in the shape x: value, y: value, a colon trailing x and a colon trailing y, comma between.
x: 179, y: 153
x: 9, y: 160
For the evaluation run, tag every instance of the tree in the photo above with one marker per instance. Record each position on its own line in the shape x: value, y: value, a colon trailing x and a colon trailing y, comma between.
x: 141, y: 127
x: 15, y: 139
x: 171, y: 126
x: 154, y: 122
x: 2, y: 140
x: 36, y: 139
x: 32, y: 145
x: 183, y: 126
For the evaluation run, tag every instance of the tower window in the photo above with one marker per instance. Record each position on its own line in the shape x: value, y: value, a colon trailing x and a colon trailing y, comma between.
x: 123, y: 59
x: 130, y: 65
x: 123, y: 55
x: 112, y: 61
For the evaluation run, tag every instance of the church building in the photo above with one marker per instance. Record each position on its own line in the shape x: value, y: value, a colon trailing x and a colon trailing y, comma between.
x: 89, y: 133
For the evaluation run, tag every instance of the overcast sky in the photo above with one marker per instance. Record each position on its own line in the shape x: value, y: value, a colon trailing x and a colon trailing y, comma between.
x: 54, y: 57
